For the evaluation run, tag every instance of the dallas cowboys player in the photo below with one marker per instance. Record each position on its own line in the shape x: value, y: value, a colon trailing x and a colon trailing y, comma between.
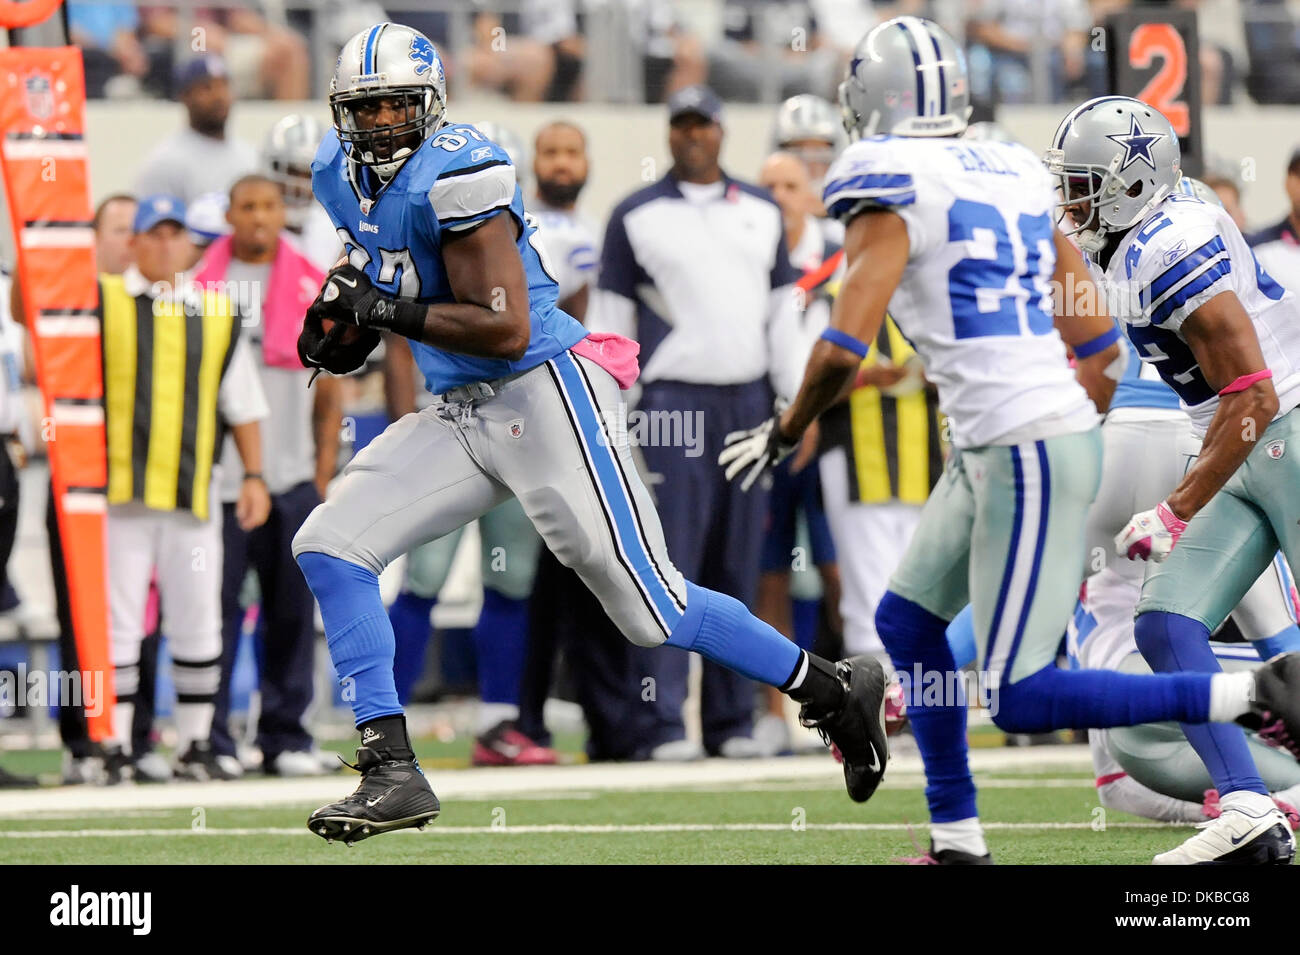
x: 441, y: 251
x: 1226, y: 338
x: 957, y: 240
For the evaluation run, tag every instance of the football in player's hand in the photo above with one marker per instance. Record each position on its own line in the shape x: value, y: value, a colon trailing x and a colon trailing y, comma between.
x: 348, y: 335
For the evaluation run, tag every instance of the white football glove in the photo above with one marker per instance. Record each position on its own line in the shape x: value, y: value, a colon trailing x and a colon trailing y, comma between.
x: 1150, y: 535
x: 756, y: 449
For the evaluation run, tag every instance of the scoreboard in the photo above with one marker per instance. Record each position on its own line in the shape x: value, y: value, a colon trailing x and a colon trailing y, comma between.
x: 1153, y: 55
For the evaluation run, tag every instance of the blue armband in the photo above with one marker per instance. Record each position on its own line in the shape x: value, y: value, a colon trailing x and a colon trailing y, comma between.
x: 837, y: 337
x: 1100, y: 343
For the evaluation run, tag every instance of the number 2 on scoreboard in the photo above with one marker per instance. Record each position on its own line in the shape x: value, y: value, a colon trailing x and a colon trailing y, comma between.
x: 1147, y: 41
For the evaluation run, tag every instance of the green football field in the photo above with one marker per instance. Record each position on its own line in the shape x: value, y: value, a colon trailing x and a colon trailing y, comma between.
x: 1039, y: 806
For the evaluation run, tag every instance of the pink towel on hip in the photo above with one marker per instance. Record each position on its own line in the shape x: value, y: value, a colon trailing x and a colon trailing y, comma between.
x: 293, y: 285
x: 614, y: 353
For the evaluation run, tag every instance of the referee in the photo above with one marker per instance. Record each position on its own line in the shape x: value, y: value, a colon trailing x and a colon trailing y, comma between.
x: 176, y: 372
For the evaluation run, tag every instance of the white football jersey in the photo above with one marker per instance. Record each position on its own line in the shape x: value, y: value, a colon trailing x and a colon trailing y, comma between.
x: 570, y: 245
x: 975, y: 300
x: 1183, y: 254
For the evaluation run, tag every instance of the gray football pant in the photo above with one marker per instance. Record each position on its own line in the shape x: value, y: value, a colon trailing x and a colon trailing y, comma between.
x: 1142, y: 462
x: 540, y: 436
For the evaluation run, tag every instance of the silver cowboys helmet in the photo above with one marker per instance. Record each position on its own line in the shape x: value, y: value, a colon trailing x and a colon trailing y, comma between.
x: 287, y: 154
x: 809, y: 127
x: 907, y: 78
x: 387, y: 61
x: 1116, y: 159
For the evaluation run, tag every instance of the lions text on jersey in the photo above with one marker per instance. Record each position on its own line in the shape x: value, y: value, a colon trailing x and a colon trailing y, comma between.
x: 1183, y: 254
x: 394, y: 232
x: 975, y: 300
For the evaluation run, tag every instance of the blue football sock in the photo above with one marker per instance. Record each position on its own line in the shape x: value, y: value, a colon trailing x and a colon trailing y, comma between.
x: 915, y: 639
x: 1285, y: 641
x: 961, y: 637
x: 719, y: 628
x: 1054, y: 699
x: 807, y: 616
x: 501, y: 646
x: 357, y: 630
x: 409, y: 616
x: 1172, y: 642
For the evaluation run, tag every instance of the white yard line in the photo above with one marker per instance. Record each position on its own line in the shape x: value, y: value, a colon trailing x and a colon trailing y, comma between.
x: 435, y: 829
x: 817, y: 771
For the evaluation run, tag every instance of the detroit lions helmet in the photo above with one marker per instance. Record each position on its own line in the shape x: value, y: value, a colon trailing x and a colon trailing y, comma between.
x: 1116, y: 158
x: 387, y: 61
x: 907, y: 78
x: 287, y: 153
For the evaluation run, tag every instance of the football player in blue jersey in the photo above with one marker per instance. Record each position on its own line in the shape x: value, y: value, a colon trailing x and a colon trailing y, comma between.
x: 441, y: 251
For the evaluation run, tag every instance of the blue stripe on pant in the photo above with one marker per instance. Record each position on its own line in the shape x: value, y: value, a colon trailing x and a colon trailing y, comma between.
x: 615, y: 496
x: 714, y: 533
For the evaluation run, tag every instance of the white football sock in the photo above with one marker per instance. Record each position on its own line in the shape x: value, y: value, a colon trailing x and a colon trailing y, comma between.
x: 1230, y: 695
x: 123, y: 717
x: 802, y: 674
x: 193, y: 722
x: 1253, y: 804
x: 964, y: 835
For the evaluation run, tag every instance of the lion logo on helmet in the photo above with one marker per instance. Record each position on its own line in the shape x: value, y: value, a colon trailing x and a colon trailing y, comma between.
x: 423, y: 53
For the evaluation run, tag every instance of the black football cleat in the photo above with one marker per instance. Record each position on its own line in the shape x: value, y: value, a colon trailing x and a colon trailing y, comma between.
x: 200, y: 764
x: 393, y: 794
x: 1275, y: 703
x: 949, y: 857
x: 857, y: 728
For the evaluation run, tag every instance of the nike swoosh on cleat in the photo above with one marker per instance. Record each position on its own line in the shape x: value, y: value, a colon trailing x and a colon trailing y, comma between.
x: 875, y: 759
x: 371, y: 803
x: 1237, y: 840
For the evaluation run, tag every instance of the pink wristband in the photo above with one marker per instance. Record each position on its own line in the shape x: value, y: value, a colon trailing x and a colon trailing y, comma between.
x: 1245, y: 381
x: 1173, y: 523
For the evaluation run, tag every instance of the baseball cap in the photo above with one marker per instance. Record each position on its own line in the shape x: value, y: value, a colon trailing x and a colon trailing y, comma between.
x: 205, y: 217
x: 697, y: 101
x: 155, y: 209
x: 199, y: 68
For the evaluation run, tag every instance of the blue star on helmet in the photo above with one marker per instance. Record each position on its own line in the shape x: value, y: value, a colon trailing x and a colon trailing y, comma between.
x: 1137, y: 144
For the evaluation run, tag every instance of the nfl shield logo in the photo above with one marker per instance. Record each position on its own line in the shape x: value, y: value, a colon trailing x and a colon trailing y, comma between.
x: 40, y: 96
x: 365, y: 206
x: 1276, y: 449
x: 517, y: 428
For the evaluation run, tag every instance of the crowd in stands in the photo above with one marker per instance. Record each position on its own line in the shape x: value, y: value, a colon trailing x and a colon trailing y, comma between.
x: 749, y: 50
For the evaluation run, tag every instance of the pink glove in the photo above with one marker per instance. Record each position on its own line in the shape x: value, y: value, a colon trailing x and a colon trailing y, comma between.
x: 1150, y: 535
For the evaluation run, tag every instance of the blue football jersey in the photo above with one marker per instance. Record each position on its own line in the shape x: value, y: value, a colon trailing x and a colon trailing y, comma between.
x: 455, y: 180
